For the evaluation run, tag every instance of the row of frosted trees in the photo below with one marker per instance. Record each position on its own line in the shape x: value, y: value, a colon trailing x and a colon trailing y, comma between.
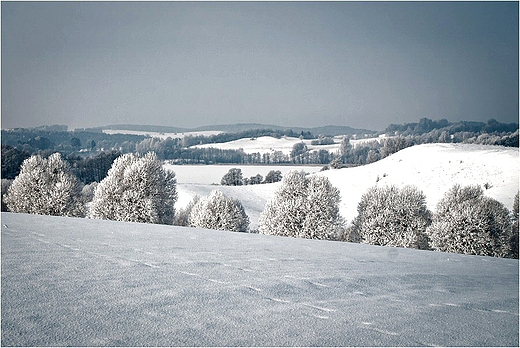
x: 138, y: 189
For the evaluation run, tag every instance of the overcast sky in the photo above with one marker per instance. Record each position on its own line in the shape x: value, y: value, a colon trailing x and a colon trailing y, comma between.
x: 363, y: 65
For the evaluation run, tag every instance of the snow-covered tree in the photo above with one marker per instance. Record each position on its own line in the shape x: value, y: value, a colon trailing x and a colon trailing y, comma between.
x: 273, y: 176
x: 232, y: 178
x: 256, y: 179
x: 45, y: 186
x: 219, y: 212
x: 136, y: 189
x: 302, y: 207
x: 468, y: 222
x: 344, y: 150
x: 393, y: 216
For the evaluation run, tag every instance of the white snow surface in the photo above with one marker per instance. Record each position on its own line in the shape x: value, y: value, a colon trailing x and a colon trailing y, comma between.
x: 268, y: 144
x: 81, y: 282
x: 433, y: 168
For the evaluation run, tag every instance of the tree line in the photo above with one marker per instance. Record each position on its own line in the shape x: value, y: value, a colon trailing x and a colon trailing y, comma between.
x: 181, y: 150
x: 139, y: 189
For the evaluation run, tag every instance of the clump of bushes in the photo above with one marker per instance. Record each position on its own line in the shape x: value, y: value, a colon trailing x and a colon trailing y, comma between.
x: 305, y: 207
x: 217, y: 211
x: 136, y: 189
x: 468, y: 222
x: 393, y: 216
x: 45, y: 186
x: 465, y: 221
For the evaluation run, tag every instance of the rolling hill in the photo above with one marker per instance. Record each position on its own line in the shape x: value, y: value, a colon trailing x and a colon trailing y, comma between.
x: 433, y: 168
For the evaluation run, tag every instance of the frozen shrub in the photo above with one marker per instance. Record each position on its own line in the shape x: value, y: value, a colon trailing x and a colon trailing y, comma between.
x: 393, y: 216
x: 136, y: 189
x: 46, y: 187
x: 467, y: 222
x: 232, y: 178
x: 273, y: 176
x: 303, y: 207
x: 219, y: 212
x: 255, y: 180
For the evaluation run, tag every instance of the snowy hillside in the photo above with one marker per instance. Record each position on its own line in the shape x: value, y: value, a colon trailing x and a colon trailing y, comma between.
x: 433, y: 168
x: 81, y: 282
x: 268, y: 145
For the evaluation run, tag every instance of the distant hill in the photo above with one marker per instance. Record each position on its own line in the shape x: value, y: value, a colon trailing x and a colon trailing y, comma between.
x: 137, y: 127
x: 330, y: 130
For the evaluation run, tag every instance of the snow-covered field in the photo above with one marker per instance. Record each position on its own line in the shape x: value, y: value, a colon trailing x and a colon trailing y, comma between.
x: 433, y: 168
x: 202, y: 179
x: 212, y: 174
x: 269, y: 145
x: 81, y: 282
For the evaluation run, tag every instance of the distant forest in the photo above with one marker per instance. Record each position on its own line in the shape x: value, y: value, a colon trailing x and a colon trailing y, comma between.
x: 91, y: 152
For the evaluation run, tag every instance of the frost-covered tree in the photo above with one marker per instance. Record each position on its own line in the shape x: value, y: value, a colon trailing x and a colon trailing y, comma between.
x: 136, y: 189
x: 45, y: 186
x: 273, y: 176
x: 256, y: 179
x: 345, y: 147
x: 303, y: 207
x: 393, y: 216
x: 232, y: 178
x: 468, y: 222
x: 298, y: 149
x: 219, y: 212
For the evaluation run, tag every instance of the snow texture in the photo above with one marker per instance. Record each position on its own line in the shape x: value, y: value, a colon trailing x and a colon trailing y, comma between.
x: 81, y: 282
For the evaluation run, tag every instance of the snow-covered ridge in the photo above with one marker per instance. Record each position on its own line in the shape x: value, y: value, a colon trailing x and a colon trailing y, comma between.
x: 161, y: 135
x: 81, y: 282
x: 268, y: 144
x: 433, y: 168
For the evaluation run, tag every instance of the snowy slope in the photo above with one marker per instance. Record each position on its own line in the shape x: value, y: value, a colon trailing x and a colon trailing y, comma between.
x: 268, y: 145
x: 433, y: 168
x: 80, y: 282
